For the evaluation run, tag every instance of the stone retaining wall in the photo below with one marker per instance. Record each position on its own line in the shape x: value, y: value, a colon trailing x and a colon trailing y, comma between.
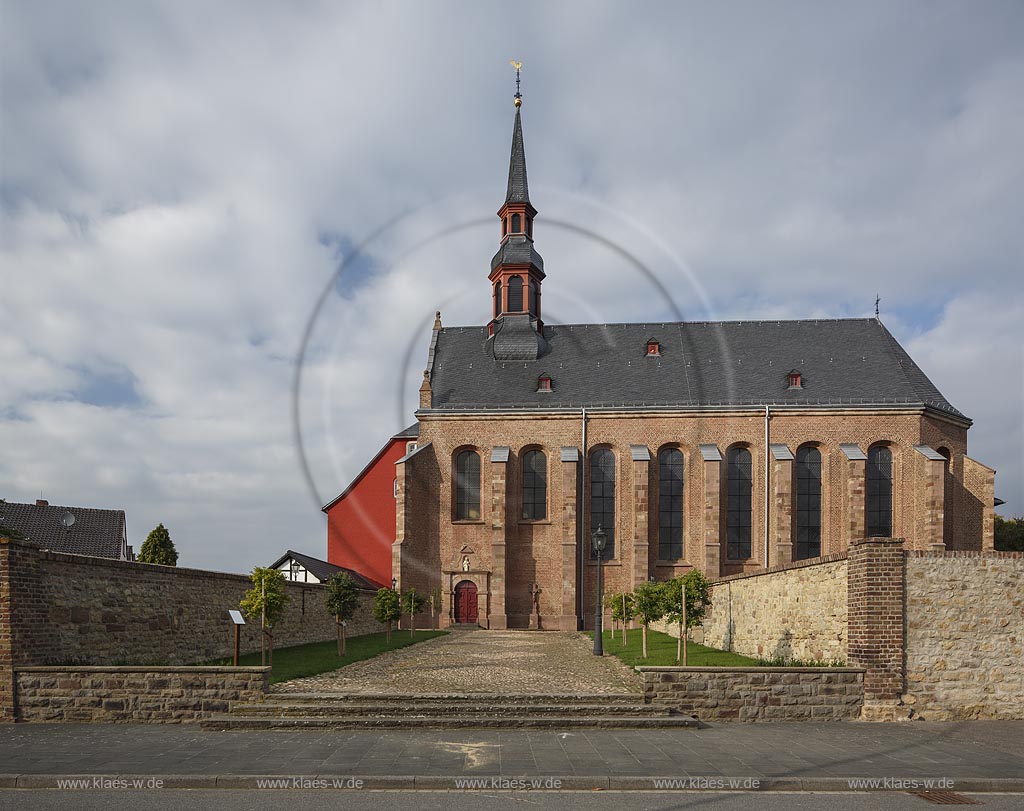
x: 79, y: 610
x: 758, y: 694
x: 796, y: 611
x: 117, y: 694
x: 964, y: 635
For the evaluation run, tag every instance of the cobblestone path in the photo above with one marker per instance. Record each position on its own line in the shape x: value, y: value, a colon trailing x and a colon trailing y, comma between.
x: 520, y: 662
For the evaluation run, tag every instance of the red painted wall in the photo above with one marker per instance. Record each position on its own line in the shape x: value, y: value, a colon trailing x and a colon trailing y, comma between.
x: 361, y: 523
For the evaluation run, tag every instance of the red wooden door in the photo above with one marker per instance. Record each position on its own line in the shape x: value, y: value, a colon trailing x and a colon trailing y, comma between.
x: 465, y: 602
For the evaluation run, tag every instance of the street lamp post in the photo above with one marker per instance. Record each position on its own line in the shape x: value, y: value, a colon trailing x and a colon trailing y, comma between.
x: 599, y: 541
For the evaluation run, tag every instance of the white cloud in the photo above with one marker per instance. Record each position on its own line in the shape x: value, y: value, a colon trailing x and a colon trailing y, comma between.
x: 177, y: 178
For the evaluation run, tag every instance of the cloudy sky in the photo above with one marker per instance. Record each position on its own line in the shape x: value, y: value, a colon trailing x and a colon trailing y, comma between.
x: 182, y: 181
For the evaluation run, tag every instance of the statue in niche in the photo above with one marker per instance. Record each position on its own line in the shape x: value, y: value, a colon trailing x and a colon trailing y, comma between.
x: 465, y: 563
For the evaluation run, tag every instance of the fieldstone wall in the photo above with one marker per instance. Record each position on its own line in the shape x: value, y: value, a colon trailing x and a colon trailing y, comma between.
x: 796, y: 611
x: 758, y: 694
x: 79, y: 610
x: 964, y: 635
x: 117, y: 694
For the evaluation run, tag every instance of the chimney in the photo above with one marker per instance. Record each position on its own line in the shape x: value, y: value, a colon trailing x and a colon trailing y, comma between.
x: 42, y: 502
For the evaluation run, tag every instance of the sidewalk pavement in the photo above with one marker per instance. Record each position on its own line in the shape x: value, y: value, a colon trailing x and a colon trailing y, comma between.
x: 974, y: 755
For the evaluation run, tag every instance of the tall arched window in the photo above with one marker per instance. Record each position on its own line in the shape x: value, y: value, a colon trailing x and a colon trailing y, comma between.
x: 467, y: 486
x: 808, y: 503
x: 535, y: 485
x: 602, y: 498
x: 497, y: 299
x: 515, y: 294
x: 517, y: 224
x: 739, y: 489
x: 879, y: 492
x: 670, y: 504
x: 533, y: 297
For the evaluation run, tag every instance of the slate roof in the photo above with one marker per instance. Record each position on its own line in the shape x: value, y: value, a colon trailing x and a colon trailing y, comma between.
x: 100, y: 533
x: 843, y: 362
x: 518, y: 191
x: 516, y: 339
x: 323, y: 570
x: 517, y: 250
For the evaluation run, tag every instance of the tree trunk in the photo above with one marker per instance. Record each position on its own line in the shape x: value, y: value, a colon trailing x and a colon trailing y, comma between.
x: 271, y: 662
x: 644, y: 645
x: 388, y: 637
x: 337, y: 630
x: 412, y: 625
x: 344, y: 641
x: 679, y: 645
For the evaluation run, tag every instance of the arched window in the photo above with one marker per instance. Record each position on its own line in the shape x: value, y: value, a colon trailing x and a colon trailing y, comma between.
x: 535, y: 485
x: 529, y: 227
x: 879, y: 492
x: 739, y: 488
x: 467, y: 486
x: 517, y: 224
x: 497, y: 299
x: 602, y: 498
x: 670, y: 504
x: 808, y: 503
x: 515, y: 294
x: 533, y: 297
x: 504, y: 226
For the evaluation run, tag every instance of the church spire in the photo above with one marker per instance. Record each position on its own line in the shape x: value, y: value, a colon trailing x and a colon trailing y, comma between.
x: 517, y: 270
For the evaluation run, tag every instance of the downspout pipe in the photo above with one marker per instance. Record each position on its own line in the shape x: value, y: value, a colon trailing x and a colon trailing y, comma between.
x: 767, y: 477
x: 581, y: 518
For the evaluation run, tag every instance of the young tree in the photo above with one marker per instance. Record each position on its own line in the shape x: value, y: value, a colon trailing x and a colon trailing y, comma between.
x: 435, y: 603
x: 266, y: 601
x: 387, y: 608
x: 648, y: 598
x: 412, y: 604
x: 624, y: 611
x: 6, y: 530
x: 159, y: 548
x: 689, y: 613
x: 342, y: 603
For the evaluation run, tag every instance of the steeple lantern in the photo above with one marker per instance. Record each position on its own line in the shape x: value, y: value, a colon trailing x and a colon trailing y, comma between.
x: 517, y: 270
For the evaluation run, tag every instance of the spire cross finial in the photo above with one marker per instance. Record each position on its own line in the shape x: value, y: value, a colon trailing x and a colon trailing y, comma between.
x: 877, y: 299
x: 518, y: 96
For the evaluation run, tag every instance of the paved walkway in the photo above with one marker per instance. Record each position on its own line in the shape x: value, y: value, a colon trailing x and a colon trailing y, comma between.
x: 807, y: 754
x: 521, y: 662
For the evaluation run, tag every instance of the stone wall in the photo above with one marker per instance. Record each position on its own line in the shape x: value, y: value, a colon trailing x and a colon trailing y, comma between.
x: 964, y: 635
x: 796, y: 611
x: 150, y: 694
x: 758, y: 694
x: 73, y: 609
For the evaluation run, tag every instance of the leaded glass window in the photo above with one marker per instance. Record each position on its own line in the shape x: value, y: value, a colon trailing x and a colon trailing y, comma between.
x: 879, y: 492
x: 602, y: 498
x: 738, y: 518
x: 535, y: 485
x: 467, y: 486
x: 808, y: 503
x: 670, y: 504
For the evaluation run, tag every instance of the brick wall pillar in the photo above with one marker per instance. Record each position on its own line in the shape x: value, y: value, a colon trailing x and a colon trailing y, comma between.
x: 7, y: 708
x: 498, y: 617
x: 782, y: 509
x: 711, y: 528
x: 933, y: 491
x: 568, y: 620
x: 641, y: 505
x: 853, y: 501
x: 875, y: 636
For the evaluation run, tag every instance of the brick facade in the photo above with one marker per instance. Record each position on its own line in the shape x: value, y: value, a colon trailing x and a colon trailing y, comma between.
x: 511, y: 556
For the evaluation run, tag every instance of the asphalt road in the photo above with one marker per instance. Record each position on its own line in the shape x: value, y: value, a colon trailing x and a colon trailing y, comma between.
x: 225, y: 800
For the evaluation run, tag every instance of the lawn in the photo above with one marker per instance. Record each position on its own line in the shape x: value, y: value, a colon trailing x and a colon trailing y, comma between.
x: 320, y: 657
x: 661, y: 650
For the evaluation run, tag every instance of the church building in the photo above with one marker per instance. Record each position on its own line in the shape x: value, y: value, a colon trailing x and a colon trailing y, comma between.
x: 729, y: 447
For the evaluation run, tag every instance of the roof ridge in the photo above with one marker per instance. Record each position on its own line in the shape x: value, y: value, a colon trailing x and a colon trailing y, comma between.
x: 678, y: 323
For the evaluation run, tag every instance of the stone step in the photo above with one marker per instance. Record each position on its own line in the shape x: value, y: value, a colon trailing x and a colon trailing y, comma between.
x: 434, y: 709
x: 227, y: 722
x: 411, y: 699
